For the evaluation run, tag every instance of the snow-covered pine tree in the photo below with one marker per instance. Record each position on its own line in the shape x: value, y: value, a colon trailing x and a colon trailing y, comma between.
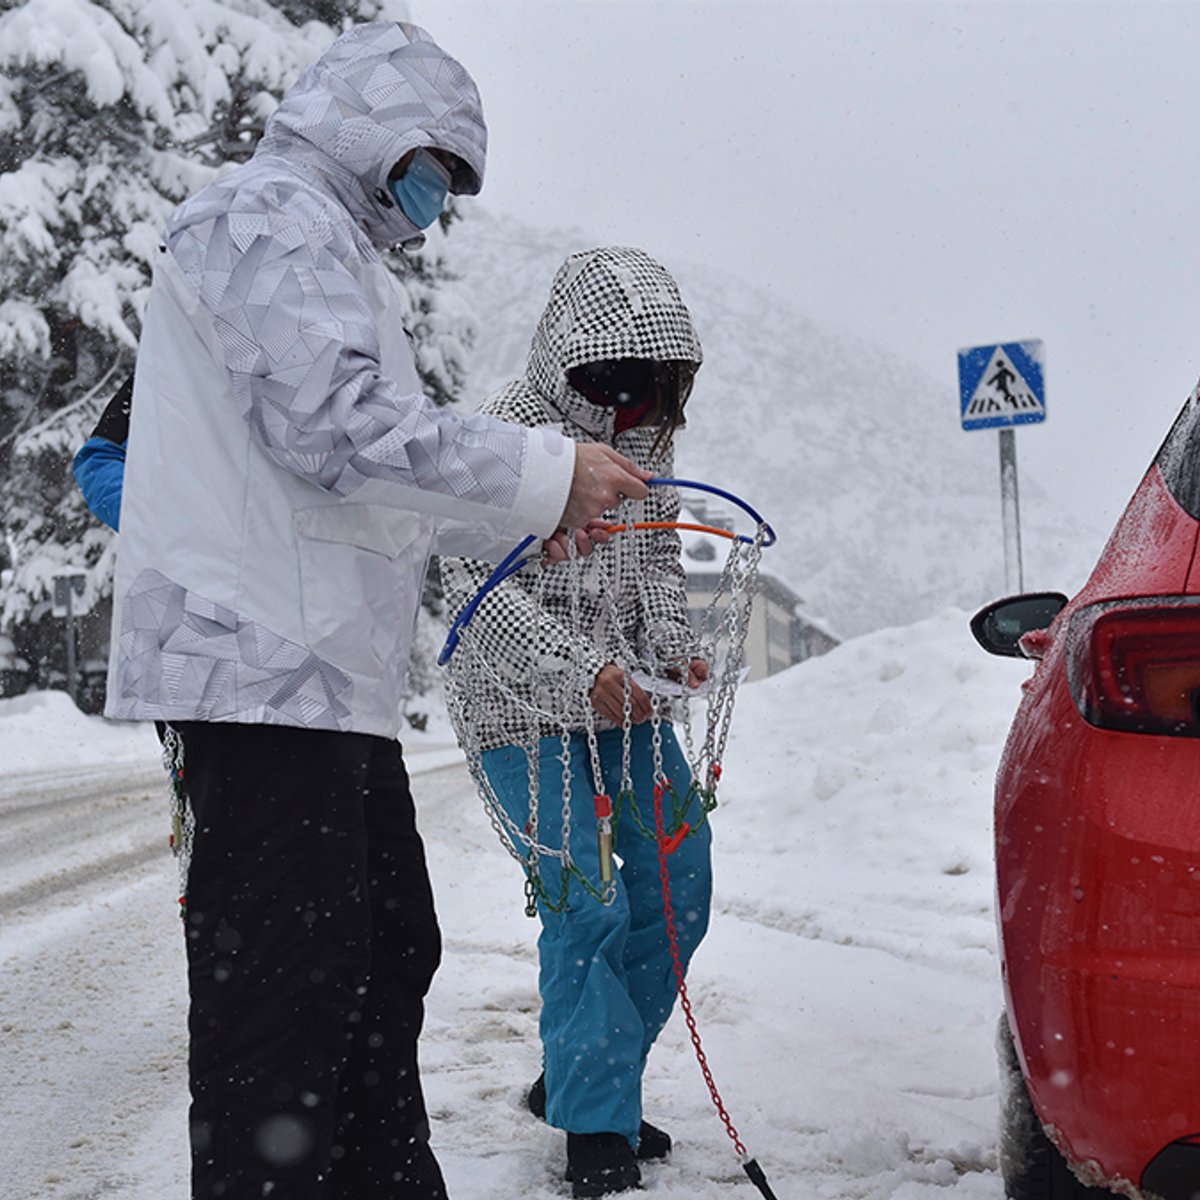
x: 111, y: 113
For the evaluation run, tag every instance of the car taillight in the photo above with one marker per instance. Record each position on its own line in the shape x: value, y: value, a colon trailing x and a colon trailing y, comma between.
x: 1135, y: 665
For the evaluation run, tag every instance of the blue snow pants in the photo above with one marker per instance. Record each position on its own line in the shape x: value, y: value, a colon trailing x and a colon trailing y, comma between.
x: 606, y: 974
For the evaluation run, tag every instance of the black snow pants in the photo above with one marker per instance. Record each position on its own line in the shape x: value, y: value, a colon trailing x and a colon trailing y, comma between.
x: 311, y: 942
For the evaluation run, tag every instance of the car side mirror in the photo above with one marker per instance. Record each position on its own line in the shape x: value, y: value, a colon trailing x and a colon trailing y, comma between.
x: 1000, y: 626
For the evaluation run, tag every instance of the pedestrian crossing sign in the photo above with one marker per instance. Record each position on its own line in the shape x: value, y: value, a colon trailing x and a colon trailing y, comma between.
x: 1002, y: 385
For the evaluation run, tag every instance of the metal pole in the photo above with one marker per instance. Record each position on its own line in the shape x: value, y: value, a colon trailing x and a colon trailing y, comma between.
x: 71, y: 641
x: 1010, y: 505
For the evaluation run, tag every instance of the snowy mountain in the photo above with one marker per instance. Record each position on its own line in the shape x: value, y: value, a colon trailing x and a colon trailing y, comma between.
x: 886, y: 510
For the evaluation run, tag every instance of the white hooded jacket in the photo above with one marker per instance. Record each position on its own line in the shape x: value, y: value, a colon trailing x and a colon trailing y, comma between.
x: 611, y: 303
x: 286, y: 479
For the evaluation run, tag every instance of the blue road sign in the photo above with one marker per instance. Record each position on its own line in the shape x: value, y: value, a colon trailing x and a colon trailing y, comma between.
x: 1002, y: 385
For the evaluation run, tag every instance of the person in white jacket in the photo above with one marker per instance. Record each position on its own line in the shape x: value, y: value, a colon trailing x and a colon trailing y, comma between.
x: 285, y: 484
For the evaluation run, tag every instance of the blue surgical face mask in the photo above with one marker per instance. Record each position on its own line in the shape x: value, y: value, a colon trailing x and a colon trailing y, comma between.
x: 421, y: 191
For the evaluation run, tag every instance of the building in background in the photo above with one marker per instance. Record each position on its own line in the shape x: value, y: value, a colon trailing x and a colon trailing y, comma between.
x: 781, y: 633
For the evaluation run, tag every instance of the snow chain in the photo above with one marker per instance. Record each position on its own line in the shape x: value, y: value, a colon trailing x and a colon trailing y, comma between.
x: 183, y: 823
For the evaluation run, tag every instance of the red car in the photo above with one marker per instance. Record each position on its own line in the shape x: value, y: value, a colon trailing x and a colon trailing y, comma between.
x: 1097, y: 831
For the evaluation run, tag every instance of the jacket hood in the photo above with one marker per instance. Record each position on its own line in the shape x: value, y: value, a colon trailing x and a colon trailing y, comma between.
x: 380, y: 90
x: 615, y: 302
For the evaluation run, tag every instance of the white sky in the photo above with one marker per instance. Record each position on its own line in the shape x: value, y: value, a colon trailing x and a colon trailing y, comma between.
x: 928, y: 175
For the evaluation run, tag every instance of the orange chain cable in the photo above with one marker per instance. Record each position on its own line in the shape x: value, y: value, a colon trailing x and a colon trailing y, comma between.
x: 725, y: 533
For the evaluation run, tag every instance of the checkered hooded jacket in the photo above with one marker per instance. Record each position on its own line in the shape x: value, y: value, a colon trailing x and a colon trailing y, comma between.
x: 286, y: 478
x: 605, y: 304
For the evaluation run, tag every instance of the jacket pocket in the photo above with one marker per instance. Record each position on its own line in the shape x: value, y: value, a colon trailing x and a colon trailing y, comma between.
x: 361, y: 568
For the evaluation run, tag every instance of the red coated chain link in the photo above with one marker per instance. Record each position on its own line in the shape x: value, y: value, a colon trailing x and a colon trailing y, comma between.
x: 685, y: 1003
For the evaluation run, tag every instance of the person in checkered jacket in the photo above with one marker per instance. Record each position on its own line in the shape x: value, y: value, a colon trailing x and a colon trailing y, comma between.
x: 612, y: 361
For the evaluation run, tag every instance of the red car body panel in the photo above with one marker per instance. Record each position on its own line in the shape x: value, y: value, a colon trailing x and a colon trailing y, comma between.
x: 1098, y: 886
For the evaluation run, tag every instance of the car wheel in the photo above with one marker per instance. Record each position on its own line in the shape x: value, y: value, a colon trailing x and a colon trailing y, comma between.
x: 1031, y: 1165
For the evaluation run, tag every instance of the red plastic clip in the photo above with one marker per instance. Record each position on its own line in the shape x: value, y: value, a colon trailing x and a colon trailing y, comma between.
x: 672, y: 843
x: 716, y: 769
x: 603, y: 806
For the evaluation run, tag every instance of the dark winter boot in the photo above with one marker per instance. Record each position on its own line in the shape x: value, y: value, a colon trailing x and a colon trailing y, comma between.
x: 535, y: 1098
x: 600, y: 1163
x: 652, y: 1141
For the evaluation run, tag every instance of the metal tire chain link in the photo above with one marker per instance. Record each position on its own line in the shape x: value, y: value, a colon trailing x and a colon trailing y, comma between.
x: 734, y: 622
x: 183, y: 821
x: 607, y: 891
x: 721, y: 622
x: 749, y: 583
x: 477, y: 676
x: 655, y: 668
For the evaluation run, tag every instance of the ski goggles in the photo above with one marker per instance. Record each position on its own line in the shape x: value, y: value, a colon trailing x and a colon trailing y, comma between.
x: 633, y: 382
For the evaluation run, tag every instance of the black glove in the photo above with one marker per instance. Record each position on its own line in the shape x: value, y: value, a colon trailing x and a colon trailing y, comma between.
x: 113, y: 425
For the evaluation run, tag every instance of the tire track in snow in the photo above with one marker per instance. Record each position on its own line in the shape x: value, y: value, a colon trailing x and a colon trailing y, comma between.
x: 61, y: 837
x: 93, y: 1032
x: 976, y: 932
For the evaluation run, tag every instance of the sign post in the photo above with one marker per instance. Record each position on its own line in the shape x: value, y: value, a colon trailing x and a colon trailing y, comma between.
x: 66, y: 588
x: 1002, y: 386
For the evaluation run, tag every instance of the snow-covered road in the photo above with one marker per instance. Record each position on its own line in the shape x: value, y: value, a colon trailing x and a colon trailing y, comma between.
x: 846, y: 994
x: 91, y: 1008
